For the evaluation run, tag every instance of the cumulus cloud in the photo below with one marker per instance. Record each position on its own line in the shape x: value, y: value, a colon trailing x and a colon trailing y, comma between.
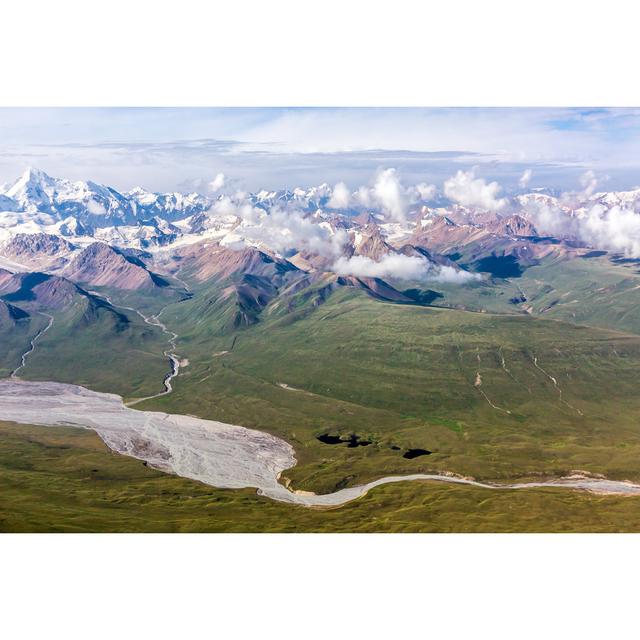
x: 525, y: 178
x: 455, y: 276
x: 227, y: 206
x: 400, y: 267
x: 287, y: 231
x: 549, y: 219
x: 363, y: 196
x: 340, y: 197
x: 389, y: 266
x: 422, y: 191
x: 389, y: 194
x: 95, y: 208
x: 217, y: 183
x: 589, y: 182
x: 470, y: 191
x: 614, y: 229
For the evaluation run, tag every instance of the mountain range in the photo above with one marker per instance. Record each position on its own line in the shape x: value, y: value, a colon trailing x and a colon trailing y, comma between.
x: 238, y: 256
x: 47, y: 222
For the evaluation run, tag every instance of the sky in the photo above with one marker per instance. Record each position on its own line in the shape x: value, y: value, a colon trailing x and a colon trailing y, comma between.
x: 165, y: 149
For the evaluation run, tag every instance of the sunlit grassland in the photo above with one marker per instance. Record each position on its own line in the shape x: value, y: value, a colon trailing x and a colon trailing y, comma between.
x: 592, y: 291
x: 476, y: 389
x: 101, y: 353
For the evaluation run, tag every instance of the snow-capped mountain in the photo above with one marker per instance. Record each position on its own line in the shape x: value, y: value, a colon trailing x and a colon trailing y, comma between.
x: 47, y: 200
x: 307, y: 199
x: 306, y: 225
x: 90, y: 203
x: 168, y: 206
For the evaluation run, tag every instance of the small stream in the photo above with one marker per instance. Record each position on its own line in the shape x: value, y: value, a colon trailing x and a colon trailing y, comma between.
x: 170, y: 353
x: 32, y: 345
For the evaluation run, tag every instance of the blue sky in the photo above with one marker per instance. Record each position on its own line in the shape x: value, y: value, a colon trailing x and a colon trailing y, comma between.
x: 170, y: 148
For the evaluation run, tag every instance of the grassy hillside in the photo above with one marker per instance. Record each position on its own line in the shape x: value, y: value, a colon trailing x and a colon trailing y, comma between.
x: 475, y: 389
x: 65, y: 480
x: 104, y: 354
x: 594, y: 291
x: 15, y: 339
x: 599, y: 291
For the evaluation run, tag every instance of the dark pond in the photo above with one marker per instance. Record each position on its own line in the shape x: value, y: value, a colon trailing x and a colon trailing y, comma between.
x: 352, y: 441
x: 415, y: 453
x: 594, y: 254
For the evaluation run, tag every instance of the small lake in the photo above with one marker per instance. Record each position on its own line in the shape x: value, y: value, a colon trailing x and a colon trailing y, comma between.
x: 352, y: 441
x: 410, y: 454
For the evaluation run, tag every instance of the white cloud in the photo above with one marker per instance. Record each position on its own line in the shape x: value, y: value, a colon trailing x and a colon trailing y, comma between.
x: 510, y: 134
x: 389, y: 194
x: 390, y: 265
x: 363, y: 195
x: 470, y: 191
x: 518, y: 135
x: 615, y: 229
x: 589, y: 182
x: 217, y: 183
x: 422, y: 191
x: 550, y: 220
x: 287, y: 231
x: 454, y: 276
x: 95, y: 208
x: 340, y: 197
x: 525, y: 178
x: 401, y: 267
x: 283, y: 230
x: 225, y: 206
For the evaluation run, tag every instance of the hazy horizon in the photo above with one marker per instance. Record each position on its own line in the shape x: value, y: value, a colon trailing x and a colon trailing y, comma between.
x: 166, y: 149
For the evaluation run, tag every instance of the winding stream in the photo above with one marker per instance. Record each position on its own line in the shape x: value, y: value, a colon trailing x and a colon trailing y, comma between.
x: 32, y: 345
x: 217, y: 454
x: 170, y: 353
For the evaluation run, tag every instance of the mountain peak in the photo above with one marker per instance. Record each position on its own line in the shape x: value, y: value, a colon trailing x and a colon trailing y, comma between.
x: 101, y: 265
x: 33, y: 173
x: 34, y: 187
x: 30, y: 177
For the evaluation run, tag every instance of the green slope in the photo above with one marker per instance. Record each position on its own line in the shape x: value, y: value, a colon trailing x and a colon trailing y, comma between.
x: 15, y: 338
x: 405, y: 376
x: 101, y: 350
x: 599, y: 291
